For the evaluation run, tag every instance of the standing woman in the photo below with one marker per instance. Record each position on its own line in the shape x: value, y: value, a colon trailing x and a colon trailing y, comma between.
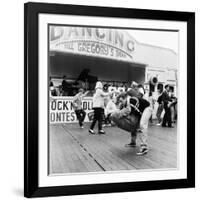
x: 98, y: 107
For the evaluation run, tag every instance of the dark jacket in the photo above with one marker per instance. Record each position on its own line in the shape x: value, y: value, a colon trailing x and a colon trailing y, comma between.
x: 141, y: 105
x: 65, y: 85
x: 166, y: 98
x: 160, y: 99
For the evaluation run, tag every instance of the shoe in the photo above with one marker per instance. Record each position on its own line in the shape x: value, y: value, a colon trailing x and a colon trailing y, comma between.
x: 81, y: 127
x: 130, y: 145
x: 142, y: 151
x: 91, y: 131
x: 158, y: 124
x: 164, y: 125
x: 106, y: 125
x: 139, y: 130
x: 171, y: 126
x: 102, y: 132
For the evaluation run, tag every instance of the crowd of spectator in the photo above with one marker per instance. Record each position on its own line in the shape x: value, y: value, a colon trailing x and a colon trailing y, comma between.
x: 164, y: 102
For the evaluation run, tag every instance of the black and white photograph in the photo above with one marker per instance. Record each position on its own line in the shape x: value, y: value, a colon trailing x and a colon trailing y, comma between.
x: 110, y: 100
x: 100, y: 100
x: 113, y: 99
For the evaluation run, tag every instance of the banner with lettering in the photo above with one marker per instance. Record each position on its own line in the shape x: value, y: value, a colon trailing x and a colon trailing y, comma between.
x: 109, y: 43
x: 61, y: 110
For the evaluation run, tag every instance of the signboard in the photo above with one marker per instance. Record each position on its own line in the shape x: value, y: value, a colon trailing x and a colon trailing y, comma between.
x: 61, y: 110
x: 109, y: 43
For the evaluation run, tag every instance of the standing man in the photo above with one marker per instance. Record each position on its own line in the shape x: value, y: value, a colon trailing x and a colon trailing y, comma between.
x: 77, y: 105
x: 146, y: 113
x: 167, y: 121
x: 160, y: 108
x: 173, y: 107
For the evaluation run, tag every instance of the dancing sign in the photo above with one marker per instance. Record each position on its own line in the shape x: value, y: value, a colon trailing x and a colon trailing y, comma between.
x: 109, y: 43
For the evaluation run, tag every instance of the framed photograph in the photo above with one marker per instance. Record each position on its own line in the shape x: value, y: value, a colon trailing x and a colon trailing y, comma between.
x: 109, y: 99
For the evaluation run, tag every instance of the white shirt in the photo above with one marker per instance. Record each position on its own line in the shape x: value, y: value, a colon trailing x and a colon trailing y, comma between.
x: 110, y: 108
x: 98, y: 98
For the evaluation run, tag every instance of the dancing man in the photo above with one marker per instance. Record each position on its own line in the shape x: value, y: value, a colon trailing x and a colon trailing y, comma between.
x: 134, y: 117
x: 126, y: 118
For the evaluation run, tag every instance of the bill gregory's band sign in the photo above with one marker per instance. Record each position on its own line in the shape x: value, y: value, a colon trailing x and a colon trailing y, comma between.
x: 109, y: 43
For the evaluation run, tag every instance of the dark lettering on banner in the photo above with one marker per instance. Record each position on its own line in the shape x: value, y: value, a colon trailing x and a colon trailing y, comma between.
x: 88, y: 30
x: 69, y: 45
x: 119, y: 38
x: 67, y: 116
x: 72, y: 31
x: 62, y: 117
x: 73, y: 117
x: 52, y: 117
x: 59, y: 105
x: 65, y: 105
x: 71, y: 106
x: 54, y: 35
x: 99, y: 35
x: 130, y: 46
x: 87, y: 105
x: 53, y: 105
x: 62, y: 111
x: 58, y: 117
x: 120, y: 54
x: 94, y: 48
x: 92, y: 40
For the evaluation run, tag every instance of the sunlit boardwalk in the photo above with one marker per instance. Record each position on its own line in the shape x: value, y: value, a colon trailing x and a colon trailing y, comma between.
x: 74, y: 150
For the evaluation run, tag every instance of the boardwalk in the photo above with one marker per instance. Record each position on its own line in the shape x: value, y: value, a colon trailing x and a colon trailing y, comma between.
x: 73, y: 150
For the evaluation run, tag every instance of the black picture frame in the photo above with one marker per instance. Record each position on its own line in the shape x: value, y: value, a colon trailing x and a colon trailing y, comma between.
x: 31, y: 12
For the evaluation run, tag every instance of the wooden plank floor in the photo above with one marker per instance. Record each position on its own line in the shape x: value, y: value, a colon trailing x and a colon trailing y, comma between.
x: 73, y: 150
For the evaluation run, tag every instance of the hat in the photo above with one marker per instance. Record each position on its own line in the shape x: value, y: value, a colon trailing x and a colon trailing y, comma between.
x: 52, y: 88
x: 141, y: 91
x: 99, y: 85
x: 132, y: 92
x: 166, y: 86
x: 134, y: 84
x: 81, y: 90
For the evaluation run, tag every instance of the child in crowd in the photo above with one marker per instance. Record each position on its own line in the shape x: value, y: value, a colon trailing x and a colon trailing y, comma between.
x: 77, y: 105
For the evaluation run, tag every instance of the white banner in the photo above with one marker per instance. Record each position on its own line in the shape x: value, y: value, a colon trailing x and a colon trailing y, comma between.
x: 61, y: 110
x: 98, y: 42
